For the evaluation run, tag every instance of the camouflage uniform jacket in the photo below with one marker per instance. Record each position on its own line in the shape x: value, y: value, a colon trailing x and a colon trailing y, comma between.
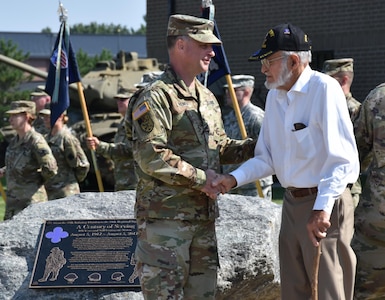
x: 177, y: 135
x: 252, y: 117
x: 73, y: 165
x: 354, y: 107
x: 39, y: 126
x: 369, y: 237
x: 120, y: 151
x: 29, y: 163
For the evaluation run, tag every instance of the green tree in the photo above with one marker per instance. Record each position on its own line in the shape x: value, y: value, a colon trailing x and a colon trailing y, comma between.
x: 95, y: 28
x: 46, y: 30
x: 87, y: 63
x: 11, y: 77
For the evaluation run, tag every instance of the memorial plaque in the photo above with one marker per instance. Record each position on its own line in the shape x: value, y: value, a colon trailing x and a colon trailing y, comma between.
x: 86, y: 253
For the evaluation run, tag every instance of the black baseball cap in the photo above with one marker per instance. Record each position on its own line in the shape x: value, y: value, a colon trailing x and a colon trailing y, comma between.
x: 285, y: 37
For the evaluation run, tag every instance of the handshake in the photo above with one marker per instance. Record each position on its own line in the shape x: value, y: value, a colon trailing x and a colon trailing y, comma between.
x: 217, y: 183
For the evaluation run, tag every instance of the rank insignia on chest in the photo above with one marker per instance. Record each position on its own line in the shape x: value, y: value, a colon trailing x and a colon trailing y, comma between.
x: 140, y: 111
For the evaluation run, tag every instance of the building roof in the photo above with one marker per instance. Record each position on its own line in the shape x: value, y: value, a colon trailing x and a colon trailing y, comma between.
x: 40, y: 45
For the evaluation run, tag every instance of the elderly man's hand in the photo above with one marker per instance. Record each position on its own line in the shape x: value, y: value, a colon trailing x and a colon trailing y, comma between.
x: 317, y: 226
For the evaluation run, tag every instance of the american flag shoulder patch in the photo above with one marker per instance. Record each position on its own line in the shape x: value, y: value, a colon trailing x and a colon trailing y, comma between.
x: 140, y: 111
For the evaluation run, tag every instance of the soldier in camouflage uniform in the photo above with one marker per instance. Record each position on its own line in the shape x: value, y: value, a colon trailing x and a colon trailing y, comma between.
x: 252, y: 117
x: 28, y: 161
x: 369, y: 239
x: 342, y: 70
x: 120, y: 151
x: 73, y: 165
x: 41, y: 99
x: 179, y: 143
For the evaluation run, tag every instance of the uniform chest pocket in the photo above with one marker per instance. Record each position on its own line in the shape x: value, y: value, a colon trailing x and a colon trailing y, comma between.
x: 304, y: 146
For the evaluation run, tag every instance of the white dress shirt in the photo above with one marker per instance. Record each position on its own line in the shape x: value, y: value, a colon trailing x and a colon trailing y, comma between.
x: 323, y: 154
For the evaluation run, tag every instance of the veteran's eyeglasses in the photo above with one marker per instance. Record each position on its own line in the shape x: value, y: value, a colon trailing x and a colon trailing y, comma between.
x: 267, y: 62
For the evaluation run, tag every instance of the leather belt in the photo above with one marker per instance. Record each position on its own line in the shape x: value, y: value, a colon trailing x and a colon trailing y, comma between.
x: 302, y: 192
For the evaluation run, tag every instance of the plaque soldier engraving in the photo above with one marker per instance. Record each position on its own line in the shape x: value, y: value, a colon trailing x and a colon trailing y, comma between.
x: 86, y: 253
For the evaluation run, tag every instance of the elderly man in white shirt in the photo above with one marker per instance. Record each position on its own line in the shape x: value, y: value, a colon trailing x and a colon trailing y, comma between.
x: 307, y: 140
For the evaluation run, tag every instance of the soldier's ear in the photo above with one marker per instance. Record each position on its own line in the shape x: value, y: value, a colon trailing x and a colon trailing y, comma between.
x: 180, y: 43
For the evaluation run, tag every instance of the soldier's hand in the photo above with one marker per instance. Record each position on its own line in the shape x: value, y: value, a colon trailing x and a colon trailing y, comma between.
x: 224, y: 183
x: 317, y: 225
x: 92, y: 142
x: 208, y: 188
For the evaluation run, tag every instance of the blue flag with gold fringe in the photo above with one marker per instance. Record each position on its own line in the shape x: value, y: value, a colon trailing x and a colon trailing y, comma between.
x: 63, y: 70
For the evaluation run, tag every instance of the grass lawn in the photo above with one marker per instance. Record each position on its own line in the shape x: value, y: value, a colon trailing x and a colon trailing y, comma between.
x: 2, y: 208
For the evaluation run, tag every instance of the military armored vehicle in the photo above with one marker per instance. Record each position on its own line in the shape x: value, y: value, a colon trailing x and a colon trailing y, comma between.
x: 99, y: 87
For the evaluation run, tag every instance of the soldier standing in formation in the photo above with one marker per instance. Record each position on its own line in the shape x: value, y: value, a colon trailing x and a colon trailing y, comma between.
x: 120, y: 150
x: 342, y: 70
x: 178, y: 141
x: 41, y: 99
x: 29, y: 161
x: 369, y: 237
x: 73, y: 165
x: 252, y: 116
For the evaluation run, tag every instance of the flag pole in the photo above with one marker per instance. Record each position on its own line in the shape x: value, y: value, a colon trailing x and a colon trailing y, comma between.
x: 208, y: 10
x: 89, y: 134
x: 63, y: 18
x: 241, y: 124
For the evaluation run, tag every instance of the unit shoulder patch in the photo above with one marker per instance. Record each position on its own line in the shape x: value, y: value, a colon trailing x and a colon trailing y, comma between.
x: 146, y: 123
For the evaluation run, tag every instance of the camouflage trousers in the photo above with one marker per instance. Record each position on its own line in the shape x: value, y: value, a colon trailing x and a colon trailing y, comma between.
x: 15, y: 204
x: 177, y: 259
x: 369, y: 239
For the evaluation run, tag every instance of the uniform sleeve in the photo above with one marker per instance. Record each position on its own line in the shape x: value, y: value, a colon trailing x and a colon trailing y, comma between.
x: 46, y: 160
x: 237, y: 151
x: 369, y: 128
x: 363, y: 131
x: 151, y: 124
x: 75, y: 157
x: 115, y: 150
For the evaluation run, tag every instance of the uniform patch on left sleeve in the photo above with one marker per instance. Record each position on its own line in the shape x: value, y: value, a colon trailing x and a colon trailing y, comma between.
x: 140, y: 111
x: 146, y: 123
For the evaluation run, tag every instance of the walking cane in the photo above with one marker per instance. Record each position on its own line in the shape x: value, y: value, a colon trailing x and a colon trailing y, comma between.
x: 317, y: 256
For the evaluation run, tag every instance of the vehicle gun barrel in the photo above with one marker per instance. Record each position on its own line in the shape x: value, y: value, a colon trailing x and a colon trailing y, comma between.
x: 22, y: 66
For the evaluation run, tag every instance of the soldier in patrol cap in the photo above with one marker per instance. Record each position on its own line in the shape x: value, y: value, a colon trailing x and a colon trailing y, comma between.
x: 73, y: 165
x: 179, y: 142
x: 342, y: 70
x: 41, y: 99
x: 252, y: 116
x: 28, y: 160
x: 120, y: 150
